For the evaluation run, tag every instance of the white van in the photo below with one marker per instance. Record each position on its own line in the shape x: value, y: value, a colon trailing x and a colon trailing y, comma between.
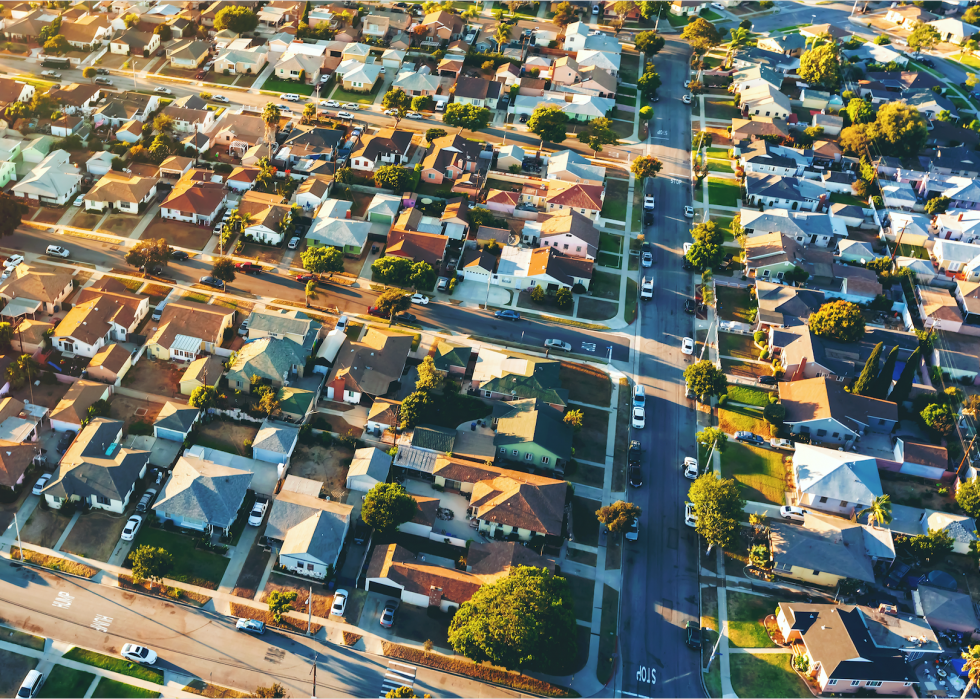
x: 158, y: 311
x: 31, y: 685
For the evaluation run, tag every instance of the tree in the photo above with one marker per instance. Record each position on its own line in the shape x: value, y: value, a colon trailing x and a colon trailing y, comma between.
x: 902, y: 388
x: 523, y: 620
x: 972, y: 15
x: 705, y: 379
x: 821, y: 65
x: 937, y: 205
x: 938, y: 418
x: 204, y: 397
x: 854, y: 139
x: 860, y: 111
x: 884, y: 381
x: 281, y: 602
x: 393, y: 177
x: 774, y: 414
x: 712, y: 438
x: 707, y: 232
x: 392, y: 270
x: 650, y: 43
x: 879, y: 512
x: 928, y: 548
x: 89, y: 72
x: 548, y: 122
x: 164, y: 31
x: 393, y: 301
x: 386, y: 506
x: 502, y: 34
x: 236, y: 18
x: 718, y: 507
x: 467, y: 116
x: 23, y: 370
x: 478, y: 216
x: 57, y: 45
x: 270, y: 117
x: 310, y: 291
x: 429, y: 377
x: 268, y: 402
x: 898, y: 130
x: 966, y: 49
x: 322, y: 260
x: 968, y: 497
x: 397, y: 99
x: 797, y: 275
x: 923, y: 37
x: 740, y: 37
x: 838, y: 320
x: 309, y: 114
x: 131, y: 20
x: 150, y: 563
x: 163, y: 122
x: 565, y: 14
x: 972, y: 654
x: 276, y: 691
x: 433, y: 134
x: 6, y: 335
x: 598, y: 133
x: 415, y: 408
x: 646, y: 112
x: 704, y: 255
x: 646, y: 166
x: 11, y: 212
x: 148, y: 254
x: 701, y: 35
x: 422, y: 276
x: 223, y: 268
x: 575, y: 418
x: 864, y: 386
x: 649, y: 83
x: 619, y: 516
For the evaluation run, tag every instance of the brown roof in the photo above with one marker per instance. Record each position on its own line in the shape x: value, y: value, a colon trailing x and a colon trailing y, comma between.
x: 386, y: 141
x: 74, y: 406
x: 191, y: 319
x: 926, y: 454
x: 562, y: 267
x: 426, y: 512
x: 576, y: 196
x: 414, y: 574
x: 74, y: 95
x: 827, y: 149
x: 508, y: 501
x: 384, y: 411
x: 266, y: 209
x: 38, y: 282
x: 373, y: 364
x: 116, y: 186
x: 441, y: 17
x: 760, y: 126
x: 495, y: 559
x: 176, y: 162
x: 940, y: 305
x: 14, y: 460
x: 487, y: 233
x: 97, y: 308
x: 242, y: 127
x: 189, y: 196
x: 32, y: 332
x: 456, y: 209
x: 84, y: 30
x: 420, y: 247
x: 192, y: 116
x: 243, y: 174
x: 822, y: 398
x: 574, y: 223
x: 10, y: 90
x: 111, y: 358
x: 496, y: 196
x: 440, y: 157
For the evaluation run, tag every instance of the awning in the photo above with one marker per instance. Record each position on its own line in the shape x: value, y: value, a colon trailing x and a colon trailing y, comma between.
x: 20, y: 307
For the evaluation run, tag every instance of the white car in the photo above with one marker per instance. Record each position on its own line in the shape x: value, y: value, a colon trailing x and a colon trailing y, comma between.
x: 687, y: 247
x: 690, y: 468
x: 689, y: 212
x: 339, y: 603
x: 243, y: 328
x: 414, y: 115
x: 780, y: 443
x: 324, y: 78
x: 344, y: 115
x: 797, y: 514
x: 220, y: 98
x: 686, y: 99
x: 690, y: 518
x: 391, y: 112
x: 290, y: 97
x: 50, y: 74
x: 57, y: 251
x: 132, y: 526
x: 558, y: 345
x: 79, y: 200
x: 353, y: 107
x: 718, y: 6
x: 293, y: 243
x: 138, y: 654
x: 331, y: 103
x: 647, y: 259
x: 13, y: 261
x: 639, y: 418
x: 687, y: 345
x: 382, y: 70
x: 420, y: 299
x: 163, y: 90
x: 41, y: 482
x: 634, y: 531
x: 258, y: 511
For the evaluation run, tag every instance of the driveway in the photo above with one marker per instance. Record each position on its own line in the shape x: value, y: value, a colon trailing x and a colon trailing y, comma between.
x: 474, y: 292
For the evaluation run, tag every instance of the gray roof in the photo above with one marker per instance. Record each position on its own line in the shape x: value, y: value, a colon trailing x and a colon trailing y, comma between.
x: 945, y: 609
x: 779, y: 187
x: 308, y: 525
x: 434, y: 438
x: 204, y: 491
x: 531, y: 421
x: 789, y: 223
x: 283, y: 323
x: 275, y: 438
x: 845, y: 476
x: 269, y: 358
x: 370, y: 462
x: 177, y: 417
x: 95, y: 464
x: 838, y: 552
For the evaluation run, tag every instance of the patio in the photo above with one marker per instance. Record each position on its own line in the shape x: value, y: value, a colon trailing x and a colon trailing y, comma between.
x: 458, y: 527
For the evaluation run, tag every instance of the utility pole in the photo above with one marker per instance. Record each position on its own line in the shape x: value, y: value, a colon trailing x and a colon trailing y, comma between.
x: 309, y: 625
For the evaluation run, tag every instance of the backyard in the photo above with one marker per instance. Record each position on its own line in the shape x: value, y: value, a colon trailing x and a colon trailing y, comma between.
x: 225, y: 435
x: 191, y: 565
x: 737, y: 345
x: 154, y: 376
x: 614, y: 205
x: 760, y: 473
x: 735, y: 303
x: 590, y: 442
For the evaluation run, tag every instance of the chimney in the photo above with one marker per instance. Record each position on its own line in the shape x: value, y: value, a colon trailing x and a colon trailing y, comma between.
x: 959, y: 216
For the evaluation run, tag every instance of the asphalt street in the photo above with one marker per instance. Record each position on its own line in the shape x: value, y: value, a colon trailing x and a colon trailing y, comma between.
x: 201, y: 645
x: 660, y: 570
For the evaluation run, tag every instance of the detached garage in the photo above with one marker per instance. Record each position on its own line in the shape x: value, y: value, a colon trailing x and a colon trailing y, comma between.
x: 175, y: 421
x: 370, y: 467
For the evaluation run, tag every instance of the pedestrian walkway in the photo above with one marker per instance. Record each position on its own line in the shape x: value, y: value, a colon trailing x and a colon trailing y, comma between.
x: 398, y: 675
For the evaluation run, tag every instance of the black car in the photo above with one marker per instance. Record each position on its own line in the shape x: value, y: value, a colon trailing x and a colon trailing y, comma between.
x: 927, y: 62
x: 767, y: 380
x: 634, y: 451
x: 211, y: 281
x: 406, y: 318
x: 690, y: 306
x: 361, y: 532
x: 179, y: 255
x: 636, y: 475
x: 155, y: 270
x: 897, y: 574
x: 523, y: 118
x: 647, y: 218
x: 66, y: 439
x: 692, y: 634
x: 101, y: 71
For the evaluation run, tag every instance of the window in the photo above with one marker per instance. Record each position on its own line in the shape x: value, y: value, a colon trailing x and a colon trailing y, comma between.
x: 831, y: 682
x: 816, y: 572
x: 873, y: 683
x: 578, y: 248
x: 855, y: 683
x: 823, y: 500
x: 836, y: 435
x: 487, y: 394
x: 528, y: 456
x: 546, y: 459
x: 881, y: 422
x: 432, y: 175
x: 515, y: 452
x: 566, y: 246
x: 102, y: 499
x: 309, y: 566
x: 821, y: 433
x: 843, y: 503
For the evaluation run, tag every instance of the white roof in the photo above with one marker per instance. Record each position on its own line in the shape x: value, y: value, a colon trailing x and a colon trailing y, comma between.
x: 387, y: 204
x: 514, y: 261
x: 956, y: 27
x: 838, y: 475
x: 856, y: 247
x: 298, y: 47
x: 334, y: 208
x: 339, y: 232
x: 512, y: 150
x: 920, y: 267
x: 363, y: 73
x: 600, y: 59
x: 416, y: 81
x: 955, y: 251
x: 357, y: 50
x: 963, y: 221
x: 50, y: 178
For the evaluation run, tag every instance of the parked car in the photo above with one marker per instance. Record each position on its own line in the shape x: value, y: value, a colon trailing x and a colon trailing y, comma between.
x: 690, y: 517
x: 796, y: 514
x: 507, y: 315
x: 442, y: 284
x: 220, y: 98
x: 66, y: 439
x: 102, y: 71
x: 897, y: 573
x: 212, y: 281
x: 639, y: 395
x: 388, y: 613
x: 639, y: 418
x: 780, y: 443
x: 647, y: 218
x: 767, y: 380
x: 129, y: 531
x: 692, y: 629
x: 406, y: 318
x: 305, y: 277
x: 293, y: 243
x: 146, y: 500
x: 138, y: 654
x: 41, y: 482
x: 352, y: 106
x: 690, y: 306
x: 163, y: 90
x: 339, y: 603
x: 51, y: 74
x: 257, y: 513
x: 635, y: 475
x: 558, y: 345
x: 31, y: 686
x: 344, y: 115
x: 179, y: 255
x: 103, y: 81
x: 251, y: 626
x: 414, y: 115
x: 635, y: 450
x: 750, y: 437
x: 249, y: 268
x: 361, y: 532
x: 79, y: 200
x: 290, y: 97
x: 390, y: 112
x: 633, y: 533
x: 13, y: 261
x: 331, y: 103
x: 687, y: 345
x: 690, y: 468
x: 420, y: 299
x: 57, y: 251
x: 689, y: 211
x: 686, y: 99
x: 647, y: 259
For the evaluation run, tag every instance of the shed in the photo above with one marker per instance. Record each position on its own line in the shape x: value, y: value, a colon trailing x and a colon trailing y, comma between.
x: 370, y: 467
x: 175, y: 421
x: 383, y: 208
x: 100, y: 163
x: 947, y: 610
x: 274, y: 443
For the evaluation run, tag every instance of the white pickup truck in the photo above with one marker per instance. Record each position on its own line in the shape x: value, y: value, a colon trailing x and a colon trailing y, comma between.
x: 646, y: 288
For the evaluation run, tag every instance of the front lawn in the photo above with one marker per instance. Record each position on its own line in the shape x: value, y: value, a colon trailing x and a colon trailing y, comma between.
x: 766, y: 675
x: 719, y: 166
x: 586, y: 384
x: 123, y: 667
x: 590, y: 441
x: 585, y: 526
x: 614, y: 205
x: 722, y: 192
x: 750, y: 370
x: 273, y: 84
x: 721, y: 108
x: 605, y: 285
x: 629, y: 67
x: 583, y: 592
x: 737, y: 345
x: 745, y: 615
x: 65, y: 682
x: 761, y: 474
x: 611, y: 242
x: 735, y: 303
x: 111, y: 689
x: 748, y: 395
x: 734, y: 419
x: 342, y: 95
x: 191, y: 565
x: 844, y: 198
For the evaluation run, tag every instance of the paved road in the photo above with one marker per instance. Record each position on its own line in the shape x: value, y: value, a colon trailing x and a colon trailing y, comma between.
x: 201, y: 645
x: 660, y: 575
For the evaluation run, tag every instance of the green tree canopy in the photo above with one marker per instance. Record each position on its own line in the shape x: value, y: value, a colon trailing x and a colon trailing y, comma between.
x: 939, y: 418
x: 718, y: 507
x: 149, y: 253
x: 433, y: 134
x: 223, y: 268
x: 525, y: 620
x: 898, y: 130
x: 548, y: 122
x: 707, y: 232
x: 430, y: 379
x: 968, y: 497
x: 280, y: 602
x: 150, y: 563
x: 618, y: 516
x: 854, y: 139
x: 821, y: 65
x: 416, y: 408
x: 646, y: 166
x: 12, y: 212
x: 860, y: 111
x: 204, y: 397
x: 236, y: 18
x: 937, y: 205
x: 393, y: 301
x: 397, y: 99
x: 565, y: 14
x: 704, y: 255
x: 57, y: 45
x: 598, y: 133
x: 923, y: 37
x: 649, y: 42
x: 386, y: 506
x: 393, y: 177
x: 712, y: 437
x: 649, y: 83
x: 392, y: 270
x: 866, y: 381
x: 468, y: 116
x: 884, y: 381
x: 926, y: 548
x: 902, y: 388
x: 701, y: 35
x: 322, y: 259
x: 838, y: 320
x: 423, y: 276
x: 705, y: 379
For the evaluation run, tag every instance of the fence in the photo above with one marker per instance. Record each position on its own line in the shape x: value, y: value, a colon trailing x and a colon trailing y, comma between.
x: 152, y: 397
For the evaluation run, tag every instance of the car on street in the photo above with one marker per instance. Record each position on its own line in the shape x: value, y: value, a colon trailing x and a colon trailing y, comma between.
x: 633, y: 533
x: 420, y: 299
x: 146, y: 500
x: 414, y: 115
x: 331, y: 103
x: 390, y: 112
x: 178, y: 255
x: 41, y: 482
x: 687, y: 345
x: 406, y: 318
x: 507, y: 315
x: 689, y: 211
x: 692, y: 629
x: 138, y: 654
x: 243, y: 328
x: 212, y: 281
x: 635, y: 475
x: 103, y: 81
x: 257, y: 513
x: 647, y: 259
x: 647, y: 218
x: 388, y: 613
x: 690, y: 517
x: 749, y: 437
x: 163, y: 90
x: 634, y: 451
x: 344, y: 115
x: 690, y: 468
x: 251, y: 626
x: 351, y: 106
x: 248, y: 268
x: 293, y: 243
x: 687, y: 247
x: 79, y: 200
x: 305, y: 277
x: 794, y: 513
x: 639, y: 395
x: 57, y: 251
x: 646, y: 288
x: 639, y: 418
x: 102, y: 71
x: 132, y: 526
x: 290, y: 97
x: 339, y: 603
x: 51, y: 74
x: 66, y: 439
x: 220, y: 98
x: 686, y: 99
x: 649, y: 202
x: 781, y: 443
x: 767, y: 380
x: 31, y: 686
x: 558, y: 345
x: 690, y: 306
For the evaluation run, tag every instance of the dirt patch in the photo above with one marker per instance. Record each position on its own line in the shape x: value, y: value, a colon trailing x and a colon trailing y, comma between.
x: 246, y: 612
x: 284, y: 583
x: 44, y: 527
x: 85, y: 219
x: 49, y: 214
x: 13, y: 668
x: 263, y: 253
x: 95, y: 535
x: 329, y: 466
x: 55, y: 563
x: 184, y: 235
x: 590, y: 442
x: 155, y: 376
x: 132, y: 410
x: 177, y: 593
x: 228, y: 436
x: 121, y: 224
x: 248, y: 580
x: 48, y: 395
x: 914, y: 492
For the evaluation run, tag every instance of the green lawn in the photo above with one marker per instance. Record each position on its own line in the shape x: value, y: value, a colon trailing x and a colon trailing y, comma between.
x: 628, y: 100
x: 711, y: 15
x: 444, y: 190
x: 718, y: 152
x: 719, y: 166
x: 623, y: 90
x: 610, y: 242
x: 111, y: 689
x: 718, y: 107
x: 607, y: 259
x: 21, y: 638
x: 191, y: 565
x: 745, y: 615
x: 123, y: 667
x: 735, y: 303
x: 623, y: 129
x: 631, y: 292
x: 342, y: 95
x: 677, y: 22
x: 605, y: 285
x: 276, y: 85
x: 614, y: 205
x: 760, y: 473
x: 65, y: 682
x: 724, y: 225
x: 767, y: 675
x: 748, y: 395
x: 906, y: 250
x: 737, y: 345
x: 722, y: 192
x: 960, y: 102
x: 844, y: 198
x: 629, y: 68
x: 735, y: 418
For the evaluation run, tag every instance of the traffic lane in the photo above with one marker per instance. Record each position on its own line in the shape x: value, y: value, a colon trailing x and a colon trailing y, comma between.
x: 80, y: 249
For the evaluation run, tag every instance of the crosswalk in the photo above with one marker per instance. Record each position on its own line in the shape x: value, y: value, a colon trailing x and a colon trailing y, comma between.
x: 398, y: 675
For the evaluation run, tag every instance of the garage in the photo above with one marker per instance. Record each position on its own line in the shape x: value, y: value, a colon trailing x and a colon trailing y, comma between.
x: 381, y: 588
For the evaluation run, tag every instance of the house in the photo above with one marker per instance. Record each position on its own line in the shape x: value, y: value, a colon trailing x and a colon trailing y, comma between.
x: 930, y: 104
x: 53, y: 181
x: 133, y: 42
x: 122, y: 108
x: 14, y: 91
x: 908, y: 16
x: 512, y: 376
x: 450, y: 157
x: 175, y: 167
x: 520, y: 268
x: 531, y: 432
x: 15, y: 459
x: 416, y: 246
x: 9, y: 151
x: 369, y: 468
x: 386, y: 147
x: 344, y: 234
x: 186, y: 329
x: 805, y: 227
x: 360, y: 77
x: 515, y: 507
x: 308, y: 532
x: 561, y: 196
x: 771, y: 256
x: 855, y: 251
x: 440, y: 26
x: 756, y: 75
x: 202, y: 495
x: 313, y: 191
x: 816, y: 31
x: 755, y: 129
x: 103, y: 312
x: 76, y: 97
x: 959, y: 224
x: 451, y: 67
x: 763, y: 157
x: 368, y: 367
x: 299, y: 67
x: 279, y: 324
x: 110, y: 364
x: 275, y: 442
x: 96, y: 470
x: 269, y: 359
x: 99, y: 164
x: 508, y: 74
x: 953, y: 31
x: 242, y: 179
x: 957, y: 257
x: 270, y: 217
x: 777, y: 191
x: 239, y: 131
x: 834, y: 481
x: 203, y: 371
x: 510, y: 155
x: 30, y: 335
x: 452, y: 358
x: 938, y: 308
x: 249, y: 61
x: 967, y: 295
x: 765, y: 100
x: 416, y: 84
x: 383, y: 208
x: 175, y: 421
x: 946, y: 610
x: 478, y: 92
x: 188, y: 54
x: 572, y: 234
x: 194, y: 201
x: 830, y: 123
x: 46, y: 285
x: 787, y: 45
x: 591, y: 58
x: 382, y: 416
x: 854, y: 649
x: 821, y: 408
x: 958, y: 357
x: 73, y: 408
x: 687, y: 8
x: 117, y: 191
x: 570, y: 166
x: 189, y: 121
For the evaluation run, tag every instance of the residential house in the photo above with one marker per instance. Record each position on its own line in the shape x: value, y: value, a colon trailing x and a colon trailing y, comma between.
x: 416, y: 246
x: 963, y: 225
x: 957, y: 258
x: 687, y: 8
x: 570, y: 166
x: 452, y: 358
x: 805, y: 227
x: 104, y: 312
x: 188, y: 54
x: 383, y: 416
x: 771, y: 256
x: 958, y: 357
x: 788, y: 44
x: 344, y: 234
x: 299, y: 67
x: 176, y: 166
x: 521, y: 268
x: 190, y: 120
x: 77, y: 97
x: 816, y: 31
x: 513, y: 376
x: 194, y: 201
x: 186, y: 329
x: 239, y: 131
x: 777, y: 191
x: 133, y: 42
x: 117, y: 191
x: 508, y: 74
x: 30, y: 335
x: 938, y: 309
x: 834, y: 481
x: 96, y: 470
x: 765, y: 100
x: 765, y: 158
x: 175, y: 421
x: 450, y: 157
x: 383, y: 208
x: 270, y: 360
x: 531, y: 432
x: 830, y: 123
x: 9, y: 151
x: 755, y: 76
x: 930, y: 104
x: 275, y: 442
x: 360, y: 77
x: 440, y: 26
x: 270, y: 216
x: 953, y: 31
x: 478, y: 92
x: 416, y: 84
x: 561, y: 196
x: 14, y: 91
x: 202, y: 495
x: 510, y: 154
x: 203, y: 371
x: 805, y: 355
x: 572, y: 234
x: 73, y: 408
x: 855, y: 251
x: 15, y: 459
x: 249, y: 61
x: 308, y: 532
x: 313, y: 191
x: 369, y: 468
x: 283, y: 324
x: 821, y: 408
x: 967, y: 295
x: 242, y: 179
x: 47, y: 286
x: 110, y: 364
x: 758, y: 128
x: 387, y: 147
x: 909, y: 16
x: 368, y: 367
x: 588, y: 58
x: 53, y: 181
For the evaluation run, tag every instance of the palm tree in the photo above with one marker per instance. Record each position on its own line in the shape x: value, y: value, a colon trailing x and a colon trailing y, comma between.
x: 880, y: 511
x: 502, y: 35
x: 271, y: 116
x: 740, y: 37
x: 310, y: 291
x: 972, y: 658
x: 968, y: 47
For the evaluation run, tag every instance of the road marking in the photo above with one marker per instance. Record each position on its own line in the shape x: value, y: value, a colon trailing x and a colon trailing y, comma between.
x: 63, y: 600
x: 630, y: 694
x: 396, y: 677
x: 101, y: 623
x: 646, y: 674
x: 673, y: 181
x: 663, y: 132
x: 588, y: 346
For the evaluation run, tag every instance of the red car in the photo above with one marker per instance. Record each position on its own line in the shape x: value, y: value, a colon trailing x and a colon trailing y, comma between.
x: 305, y: 277
x: 248, y: 268
x: 375, y: 311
